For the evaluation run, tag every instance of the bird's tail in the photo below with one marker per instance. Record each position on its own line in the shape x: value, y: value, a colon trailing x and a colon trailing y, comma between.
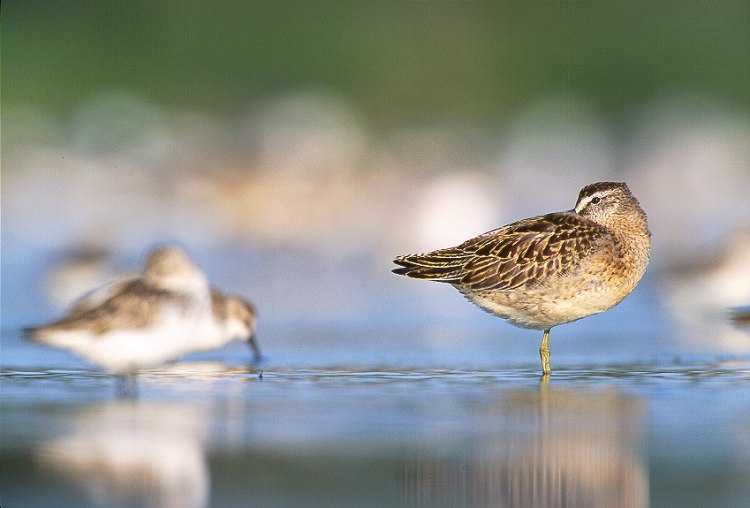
x: 43, y: 334
x: 445, y: 265
x: 32, y: 333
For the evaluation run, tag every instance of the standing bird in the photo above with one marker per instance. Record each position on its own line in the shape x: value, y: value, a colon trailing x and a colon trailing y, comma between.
x: 144, y: 319
x: 551, y: 269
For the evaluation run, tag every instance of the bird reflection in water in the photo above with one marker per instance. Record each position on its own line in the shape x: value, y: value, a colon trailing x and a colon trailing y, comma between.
x: 551, y: 448
x: 133, y: 454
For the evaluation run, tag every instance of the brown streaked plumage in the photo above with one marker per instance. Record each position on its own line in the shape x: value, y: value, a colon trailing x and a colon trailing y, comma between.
x: 551, y: 269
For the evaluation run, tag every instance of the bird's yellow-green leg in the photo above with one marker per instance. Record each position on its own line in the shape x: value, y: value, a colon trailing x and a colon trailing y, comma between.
x: 544, y: 353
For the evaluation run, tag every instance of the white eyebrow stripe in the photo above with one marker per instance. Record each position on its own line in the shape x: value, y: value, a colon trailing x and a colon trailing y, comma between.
x: 599, y: 194
x: 582, y: 204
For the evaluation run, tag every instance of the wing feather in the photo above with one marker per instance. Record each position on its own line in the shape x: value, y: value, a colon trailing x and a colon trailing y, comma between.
x: 99, y: 295
x: 520, y: 254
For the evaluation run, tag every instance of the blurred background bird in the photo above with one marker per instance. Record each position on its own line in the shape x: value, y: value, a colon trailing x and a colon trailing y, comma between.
x: 144, y: 319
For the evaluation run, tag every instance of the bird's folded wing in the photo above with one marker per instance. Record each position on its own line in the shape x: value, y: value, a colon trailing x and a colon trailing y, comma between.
x: 520, y: 254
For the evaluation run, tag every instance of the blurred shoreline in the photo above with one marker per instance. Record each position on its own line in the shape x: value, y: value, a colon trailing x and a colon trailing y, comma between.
x: 300, y: 204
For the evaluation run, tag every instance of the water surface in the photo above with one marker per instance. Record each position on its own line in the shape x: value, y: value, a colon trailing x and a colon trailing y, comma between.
x: 213, y: 432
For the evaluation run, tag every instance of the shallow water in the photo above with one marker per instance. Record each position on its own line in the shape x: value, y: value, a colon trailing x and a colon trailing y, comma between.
x: 408, y: 398
x: 419, y: 431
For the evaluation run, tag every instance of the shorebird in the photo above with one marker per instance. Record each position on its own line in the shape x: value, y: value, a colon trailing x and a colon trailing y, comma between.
x: 740, y: 317
x: 551, y: 269
x: 145, y: 319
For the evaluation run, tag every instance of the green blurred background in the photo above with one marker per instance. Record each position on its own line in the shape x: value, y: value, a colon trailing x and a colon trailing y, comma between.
x: 400, y: 62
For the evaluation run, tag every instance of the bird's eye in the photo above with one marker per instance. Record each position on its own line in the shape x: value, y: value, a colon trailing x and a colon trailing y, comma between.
x: 596, y: 200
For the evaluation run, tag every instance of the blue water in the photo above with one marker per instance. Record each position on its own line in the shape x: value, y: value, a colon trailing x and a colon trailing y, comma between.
x: 405, y: 396
x: 217, y: 432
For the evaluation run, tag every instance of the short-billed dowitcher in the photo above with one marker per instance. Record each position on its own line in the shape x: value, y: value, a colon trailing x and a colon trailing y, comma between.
x: 144, y: 319
x: 551, y: 269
